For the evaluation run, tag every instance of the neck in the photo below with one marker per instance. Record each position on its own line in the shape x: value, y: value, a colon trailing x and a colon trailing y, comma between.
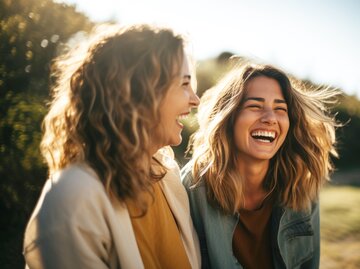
x: 153, y: 150
x: 253, y: 175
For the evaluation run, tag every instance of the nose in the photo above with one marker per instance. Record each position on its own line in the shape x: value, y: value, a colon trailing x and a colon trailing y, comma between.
x: 194, y: 99
x: 268, y: 117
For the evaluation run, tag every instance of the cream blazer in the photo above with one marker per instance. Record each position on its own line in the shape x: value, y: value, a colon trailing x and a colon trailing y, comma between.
x: 75, y: 225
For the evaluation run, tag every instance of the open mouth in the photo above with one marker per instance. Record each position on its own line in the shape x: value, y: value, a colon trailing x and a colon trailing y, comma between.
x: 180, y: 119
x: 264, y: 136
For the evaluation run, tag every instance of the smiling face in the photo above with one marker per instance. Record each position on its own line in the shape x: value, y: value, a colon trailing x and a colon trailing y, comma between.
x: 175, y: 106
x: 262, y: 123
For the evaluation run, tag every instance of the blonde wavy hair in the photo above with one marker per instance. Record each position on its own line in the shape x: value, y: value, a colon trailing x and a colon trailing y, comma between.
x: 106, y: 103
x: 301, y: 165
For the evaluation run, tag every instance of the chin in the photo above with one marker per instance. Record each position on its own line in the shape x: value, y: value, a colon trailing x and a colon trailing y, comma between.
x: 266, y: 156
x: 176, y: 142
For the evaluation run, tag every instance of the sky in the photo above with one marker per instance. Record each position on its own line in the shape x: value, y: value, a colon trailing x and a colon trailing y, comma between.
x: 311, y: 39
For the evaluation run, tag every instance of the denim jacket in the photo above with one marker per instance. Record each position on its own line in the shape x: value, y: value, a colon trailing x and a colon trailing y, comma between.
x: 295, y: 236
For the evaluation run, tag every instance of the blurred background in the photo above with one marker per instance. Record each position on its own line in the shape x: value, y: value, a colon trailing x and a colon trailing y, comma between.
x: 317, y: 42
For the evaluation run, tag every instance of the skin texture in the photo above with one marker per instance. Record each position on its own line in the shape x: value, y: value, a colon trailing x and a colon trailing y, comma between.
x: 264, y: 112
x: 176, y: 105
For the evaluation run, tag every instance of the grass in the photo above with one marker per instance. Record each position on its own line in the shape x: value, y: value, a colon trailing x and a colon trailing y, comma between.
x: 340, y: 227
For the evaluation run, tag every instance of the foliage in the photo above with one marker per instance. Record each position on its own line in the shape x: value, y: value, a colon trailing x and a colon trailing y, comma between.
x: 31, y: 31
x: 348, y: 113
x: 210, y: 71
x: 31, y: 34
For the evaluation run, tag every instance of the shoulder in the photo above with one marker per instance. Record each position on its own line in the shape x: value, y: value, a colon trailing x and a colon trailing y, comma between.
x: 72, y: 197
x: 291, y: 215
x: 188, y: 180
x: 75, y: 183
x: 298, y: 222
x: 72, y: 216
x: 77, y: 175
x: 70, y: 194
x: 299, y: 237
x: 186, y: 174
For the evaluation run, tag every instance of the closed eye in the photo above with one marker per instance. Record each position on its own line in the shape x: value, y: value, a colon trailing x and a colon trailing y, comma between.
x: 281, y: 109
x: 253, y: 106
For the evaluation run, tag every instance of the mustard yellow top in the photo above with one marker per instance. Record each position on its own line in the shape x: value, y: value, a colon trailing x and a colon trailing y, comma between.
x: 157, y: 233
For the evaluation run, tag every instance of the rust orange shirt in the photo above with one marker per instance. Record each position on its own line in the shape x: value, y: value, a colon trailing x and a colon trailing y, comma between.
x: 252, y: 240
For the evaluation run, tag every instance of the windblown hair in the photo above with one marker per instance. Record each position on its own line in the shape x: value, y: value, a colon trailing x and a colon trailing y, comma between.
x: 106, y: 103
x: 301, y: 165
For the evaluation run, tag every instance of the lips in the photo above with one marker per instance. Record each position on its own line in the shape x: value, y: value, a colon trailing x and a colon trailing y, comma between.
x: 266, y: 136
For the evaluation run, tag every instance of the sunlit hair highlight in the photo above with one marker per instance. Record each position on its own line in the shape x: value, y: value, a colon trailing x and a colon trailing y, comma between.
x: 106, y: 103
x: 299, y: 168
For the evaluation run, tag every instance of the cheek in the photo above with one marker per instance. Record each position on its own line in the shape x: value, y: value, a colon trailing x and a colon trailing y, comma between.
x: 284, y: 122
x: 244, y: 119
x: 284, y: 125
x: 239, y: 131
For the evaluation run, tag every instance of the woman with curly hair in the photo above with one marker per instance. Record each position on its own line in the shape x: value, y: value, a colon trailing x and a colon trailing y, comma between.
x: 114, y: 198
x: 260, y: 157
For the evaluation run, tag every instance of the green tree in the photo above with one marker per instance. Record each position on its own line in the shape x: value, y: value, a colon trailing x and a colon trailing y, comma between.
x: 348, y: 112
x: 31, y: 32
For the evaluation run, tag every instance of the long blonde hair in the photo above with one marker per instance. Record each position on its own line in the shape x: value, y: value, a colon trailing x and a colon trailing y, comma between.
x: 301, y: 165
x: 106, y: 103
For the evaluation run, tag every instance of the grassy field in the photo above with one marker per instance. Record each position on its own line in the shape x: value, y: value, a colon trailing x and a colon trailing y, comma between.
x: 340, y: 227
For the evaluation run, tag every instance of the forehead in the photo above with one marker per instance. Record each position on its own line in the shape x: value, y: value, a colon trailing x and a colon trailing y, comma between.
x: 185, y: 69
x: 263, y: 87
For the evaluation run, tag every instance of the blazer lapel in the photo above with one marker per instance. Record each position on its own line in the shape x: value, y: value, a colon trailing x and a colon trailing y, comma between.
x: 177, y: 199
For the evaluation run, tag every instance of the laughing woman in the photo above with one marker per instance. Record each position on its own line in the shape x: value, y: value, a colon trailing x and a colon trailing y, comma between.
x: 260, y: 157
x: 114, y: 199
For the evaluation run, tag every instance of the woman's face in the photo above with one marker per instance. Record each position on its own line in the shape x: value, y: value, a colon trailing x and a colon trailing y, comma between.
x: 176, y: 105
x: 262, y: 123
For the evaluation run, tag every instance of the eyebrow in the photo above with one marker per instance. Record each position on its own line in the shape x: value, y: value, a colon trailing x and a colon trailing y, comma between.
x: 187, y: 76
x: 260, y: 99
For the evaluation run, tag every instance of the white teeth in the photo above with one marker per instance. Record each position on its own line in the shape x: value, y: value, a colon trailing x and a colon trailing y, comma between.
x: 264, y: 134
x: 263, y: 140
x: 181, y: 117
